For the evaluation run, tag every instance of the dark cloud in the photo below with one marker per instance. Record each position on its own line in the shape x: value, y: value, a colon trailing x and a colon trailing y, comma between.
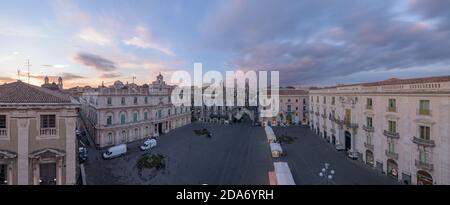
x: 54, y: 78
x: 111, y: 75
x: 95, y: 61
x: 309, y: 41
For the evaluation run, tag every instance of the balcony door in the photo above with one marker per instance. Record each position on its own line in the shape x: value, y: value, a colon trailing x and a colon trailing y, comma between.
x: 47, y: 173
x: 3, y: 175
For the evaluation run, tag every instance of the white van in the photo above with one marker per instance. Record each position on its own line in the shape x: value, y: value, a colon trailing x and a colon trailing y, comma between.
x: 148, y: 144
x: 115, y: 151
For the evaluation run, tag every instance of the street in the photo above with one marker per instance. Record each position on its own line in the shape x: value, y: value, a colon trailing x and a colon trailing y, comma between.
x: 237, y: 154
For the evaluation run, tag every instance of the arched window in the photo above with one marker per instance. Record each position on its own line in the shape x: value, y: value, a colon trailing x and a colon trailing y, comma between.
x: 123, y: 118
x: 109, y: 119
x: 145, y: 115
x: 109, y: 138
x: 135, y: 117
x: 124, y: 136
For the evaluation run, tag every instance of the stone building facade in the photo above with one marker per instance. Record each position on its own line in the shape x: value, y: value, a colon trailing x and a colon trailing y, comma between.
x: 125, y: 113
x: 37, y: 136
x: 399, y: 127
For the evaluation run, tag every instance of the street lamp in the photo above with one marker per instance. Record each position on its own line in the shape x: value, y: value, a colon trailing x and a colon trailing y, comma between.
x: 326, y: 173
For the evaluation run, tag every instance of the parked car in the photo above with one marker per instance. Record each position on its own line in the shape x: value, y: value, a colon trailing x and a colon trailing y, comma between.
x: 82, y: 154
x: 149, y: 144
x: 352, y: 155
x: 116, y: 151
x: 340, y: 147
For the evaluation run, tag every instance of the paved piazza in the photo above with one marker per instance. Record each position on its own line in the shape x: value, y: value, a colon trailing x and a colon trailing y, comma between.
x: 236, y: 154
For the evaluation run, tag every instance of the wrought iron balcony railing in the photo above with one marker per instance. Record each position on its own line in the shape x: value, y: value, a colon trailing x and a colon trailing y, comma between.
x: 394, y: 135
x: 424, y: 142
x: 424, y: 165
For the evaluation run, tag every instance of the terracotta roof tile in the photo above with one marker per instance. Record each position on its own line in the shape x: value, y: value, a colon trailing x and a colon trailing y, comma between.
x: 20, y: 92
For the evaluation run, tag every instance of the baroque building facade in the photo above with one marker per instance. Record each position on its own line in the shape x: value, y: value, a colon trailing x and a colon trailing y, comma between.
x: 125, y: 113
x: 37, y: 136
x: 293, y: 108
x: 399, y: 127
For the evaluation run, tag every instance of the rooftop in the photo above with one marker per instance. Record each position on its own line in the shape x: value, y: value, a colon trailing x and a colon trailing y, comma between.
x: 395, y: 81
x: 23, y: 93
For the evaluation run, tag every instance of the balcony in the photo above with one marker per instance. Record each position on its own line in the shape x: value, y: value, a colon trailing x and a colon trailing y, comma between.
x: 426, y: 112
x: 394, y: 135
x: 332, y: 130
x: 424, y: 165
x: 424, y: 142
x: 369, y: 146
x: 3, y: 132
x: 368, y: 129
x: 47, y: 131
x: 391, y: 109
x: 391, y: 155
x: 369, y: 107
x: 351, y: 125
x: 324, y: 116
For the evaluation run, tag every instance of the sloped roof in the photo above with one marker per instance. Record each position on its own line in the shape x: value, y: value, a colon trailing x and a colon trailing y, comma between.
x: 22, y: 93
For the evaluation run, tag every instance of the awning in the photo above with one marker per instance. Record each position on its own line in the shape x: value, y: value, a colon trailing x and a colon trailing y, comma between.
x: 270, y: 134
x: 276, y: 147
x: 283, y: 173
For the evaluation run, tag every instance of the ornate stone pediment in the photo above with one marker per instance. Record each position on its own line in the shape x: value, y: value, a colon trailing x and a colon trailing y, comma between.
x: 392, y: 117
x: 47, y: 153
x: 424, y: 121
x: 7, y: 154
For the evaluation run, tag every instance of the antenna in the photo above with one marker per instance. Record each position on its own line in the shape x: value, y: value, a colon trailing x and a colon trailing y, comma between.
x: 18, y: 74
x: 28, y: 65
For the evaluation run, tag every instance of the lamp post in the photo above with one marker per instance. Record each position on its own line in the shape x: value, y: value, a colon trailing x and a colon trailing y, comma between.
x: 326, y: 173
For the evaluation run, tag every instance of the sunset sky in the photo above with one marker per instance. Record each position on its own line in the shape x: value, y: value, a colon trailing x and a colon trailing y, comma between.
x: 309, y: 42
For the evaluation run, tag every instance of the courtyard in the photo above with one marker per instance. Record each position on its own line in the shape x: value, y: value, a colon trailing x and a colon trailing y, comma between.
x: 236, y: 154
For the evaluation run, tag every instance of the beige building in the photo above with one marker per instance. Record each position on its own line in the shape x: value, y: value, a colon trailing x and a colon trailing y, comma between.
x: 37, y: 136
x: 125, y: 113
x: 293, y: 108
x: 399, y: 127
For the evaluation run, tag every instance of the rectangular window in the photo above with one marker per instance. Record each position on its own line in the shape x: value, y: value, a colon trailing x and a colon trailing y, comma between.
x: 123, y: 101
x: 424, y: 132
x: 423, y: 155
x: 48, y: 121
x: 392, y: 126
x: 145, y: 116
x: 109, y: 101
x: 324, y: 100
x: 424, y: 107
x: 369, y: 103
x: 135, y: 117
x: 146, y: 100
x: 392, y: 105
x: 369, y: 122
x: 391, y: 147
x: 289, y: 108
x: 122, y: 119
x: 333, y: 100
x: 135, y: 100
x: 2, y: 121
x: 109, y: 120
x: 348, y: 115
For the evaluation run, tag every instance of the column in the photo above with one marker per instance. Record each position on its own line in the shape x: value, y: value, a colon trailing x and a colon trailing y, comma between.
x: 22, y: 151
x: 70, y: 151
